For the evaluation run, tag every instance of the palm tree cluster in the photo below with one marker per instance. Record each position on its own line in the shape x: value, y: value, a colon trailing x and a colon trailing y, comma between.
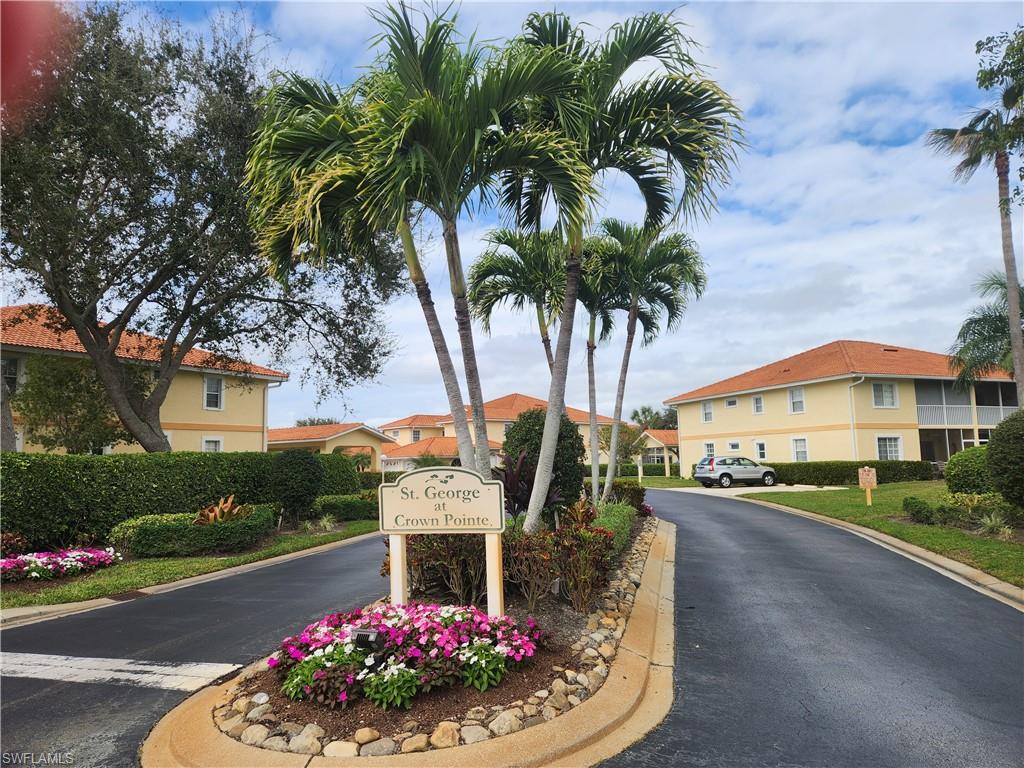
x: 441, y: 127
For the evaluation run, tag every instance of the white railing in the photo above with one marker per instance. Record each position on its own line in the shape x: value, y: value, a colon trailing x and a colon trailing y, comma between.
x: 993, y: 414
x: 939, y: 415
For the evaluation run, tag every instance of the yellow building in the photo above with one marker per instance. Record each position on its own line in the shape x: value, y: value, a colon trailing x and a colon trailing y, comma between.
x: 662, y: 447
x: 213, y: 403
x: 351, y: 439
x: 846, y: 400
x: 412, y: 429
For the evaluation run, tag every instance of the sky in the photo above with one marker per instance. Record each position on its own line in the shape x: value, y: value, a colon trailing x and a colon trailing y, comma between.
x: 839, y: 222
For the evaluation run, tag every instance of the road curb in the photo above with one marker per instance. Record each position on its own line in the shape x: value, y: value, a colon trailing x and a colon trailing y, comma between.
x: 31, y: 614
x: 965, y: 574
x: 635, y: 698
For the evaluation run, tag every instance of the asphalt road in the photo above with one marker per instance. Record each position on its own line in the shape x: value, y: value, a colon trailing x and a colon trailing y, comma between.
x: 233, y: 620
x: 799, y: 644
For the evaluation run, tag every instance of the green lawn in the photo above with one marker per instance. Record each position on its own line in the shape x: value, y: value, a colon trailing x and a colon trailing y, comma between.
x: 1002, y: 559
x: 136, y: 574
x: 660, y: 481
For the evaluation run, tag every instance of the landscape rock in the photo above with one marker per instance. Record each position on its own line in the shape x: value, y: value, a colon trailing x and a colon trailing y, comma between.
x: 445, y: 735
x: 471, y: 734
x: 574, y: 701
x: 313, y: 730
x: 507, y: 722
x: 378, y: 747
x: 411, y: 726
x: 606, y: 650
x: 260, y: 698
x: 341, y: 749
x: 557, y: 700
x: 292, y: 729
x: 529, y: 710
x: 417, y: 743
x: 366, y: 735
x: 549, y: 713
x: 243, y: 704
x: 230, y: 722
x: 257, y: 712
x: 276, y: 743
x: 532, y: 721
x: 238, y: 729
x: 477, y: 713
x: 255, y: 735
x: 542, y: 694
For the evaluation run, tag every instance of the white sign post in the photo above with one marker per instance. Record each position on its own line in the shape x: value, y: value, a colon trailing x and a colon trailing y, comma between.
x: 444, y: 500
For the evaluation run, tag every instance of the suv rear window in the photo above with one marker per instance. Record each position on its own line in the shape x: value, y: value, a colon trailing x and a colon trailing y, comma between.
x: 705, y: 460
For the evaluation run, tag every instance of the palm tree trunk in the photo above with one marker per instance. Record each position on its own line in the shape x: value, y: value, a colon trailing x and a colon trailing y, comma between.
x: 595, y: 448
x: 556, y: 392
x: 1012, y: 281
x: 465, y: 326
x: 444, y: 358
x: 620, y: 394
x: 545, y: 339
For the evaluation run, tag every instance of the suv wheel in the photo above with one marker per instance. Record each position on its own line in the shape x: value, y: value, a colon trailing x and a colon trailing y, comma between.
x: 768, y: 478
x: 725, y: 481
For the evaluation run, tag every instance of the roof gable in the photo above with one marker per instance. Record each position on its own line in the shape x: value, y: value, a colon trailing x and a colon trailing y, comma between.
x: 319, y: 432
x: 442, y: 447
x: 509, y: 407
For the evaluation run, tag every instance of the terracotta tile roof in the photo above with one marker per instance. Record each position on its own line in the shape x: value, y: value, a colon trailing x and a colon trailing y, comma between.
x: 317, y: 432
x: 442, y: 447
x: 416, y: 420
x: 667, y: 437
x: 835, y: 359
x: 38, y: 326
x: 509, y: 407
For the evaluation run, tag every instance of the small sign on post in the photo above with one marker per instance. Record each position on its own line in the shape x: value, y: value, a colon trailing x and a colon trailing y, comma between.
x: 444, y: 500
x: 867, y: 478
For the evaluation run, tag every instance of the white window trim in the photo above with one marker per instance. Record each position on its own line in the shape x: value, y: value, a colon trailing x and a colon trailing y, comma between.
x: 211, y: 438
x: 895, y: 394
x: 803, y: 400
x: 707, y: 416
x: 734, y: 400
x: 170, y: 441
x: 753, y: 405
x: 223, y: 388
x: 792, y: 446
x: 19, y: 441
x: 729, y: 446
x: 706, y: 454
x: 758, y: 444
x: 899, y: 446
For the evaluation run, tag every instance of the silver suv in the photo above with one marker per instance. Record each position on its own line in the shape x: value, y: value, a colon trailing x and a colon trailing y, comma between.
x: 727, y: 470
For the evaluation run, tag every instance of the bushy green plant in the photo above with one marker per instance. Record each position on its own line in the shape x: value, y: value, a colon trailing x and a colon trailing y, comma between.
x: 994, y: 524
x: 619, y: 519
x: 529, y: 560
x: 627, y: 491
x: 396, y: 686
x: 582, y: 562
x: 918, y: 510
x: 350, y: 507
x: 845, y: 472
x: 484, y: 666
x: 456, y: 559
x: 12, y: 544
x: 1006, y: 458
x: 296, y: 477
x: 59, y: 500
x: 967, y: 471
x: 176, y: 536
x: 371, y: 480
x: 525, y: 434
x: 327, y: 522
x: 340, y: 474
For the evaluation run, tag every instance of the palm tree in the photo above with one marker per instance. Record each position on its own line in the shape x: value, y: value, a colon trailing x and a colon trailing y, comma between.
x: 521, y: 269
x: 659, y: 275
x: 987, y: 138
x: 673, y: 125
x: 983, y: 342
x: 443, y: 125
x: 646, y: 416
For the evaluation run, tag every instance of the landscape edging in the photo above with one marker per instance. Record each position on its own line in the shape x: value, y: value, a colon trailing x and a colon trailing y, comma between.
x: 975, y: 578
x: 633, y: 700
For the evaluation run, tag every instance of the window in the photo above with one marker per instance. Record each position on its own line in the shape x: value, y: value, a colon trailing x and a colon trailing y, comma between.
x: 709, y: 450
x: 213, y: 393
x: 396, y: 432
x: 706, y: 411
x: 757, y: 403
x: 213, y: 444
x: 796, y: 400
x: 760, y: 450
x: 9, y: 370
x: 508, y: 426
x: 799, y: 449
x: 884, y: 394
x: 734, y: 445
x: 731, y: 402
x: 653, y: 456
x: 889, y: 448
x: 416, y: 435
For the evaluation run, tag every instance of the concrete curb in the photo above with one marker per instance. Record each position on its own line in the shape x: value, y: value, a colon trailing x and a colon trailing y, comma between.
x: 636, y: 697
x: 12, y: 617
x: 974, y: 578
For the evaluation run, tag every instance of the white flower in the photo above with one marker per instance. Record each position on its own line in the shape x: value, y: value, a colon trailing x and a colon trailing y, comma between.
x: 369, y: 660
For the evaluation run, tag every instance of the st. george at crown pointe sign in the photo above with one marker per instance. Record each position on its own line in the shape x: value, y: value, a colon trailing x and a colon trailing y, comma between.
x: 444, y: 500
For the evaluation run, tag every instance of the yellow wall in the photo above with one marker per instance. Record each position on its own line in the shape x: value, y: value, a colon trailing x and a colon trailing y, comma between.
x: 357, y: 439
x: 404, y: 434
x: 496, y: 432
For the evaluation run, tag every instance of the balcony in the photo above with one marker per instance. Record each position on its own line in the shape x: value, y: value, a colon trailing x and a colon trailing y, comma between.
x: 990, y: 415
x: 944, y: 415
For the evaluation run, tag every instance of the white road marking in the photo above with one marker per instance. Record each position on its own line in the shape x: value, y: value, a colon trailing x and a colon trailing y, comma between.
x: 186, y: 676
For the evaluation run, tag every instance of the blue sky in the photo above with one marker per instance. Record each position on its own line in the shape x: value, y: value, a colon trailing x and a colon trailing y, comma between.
x: 839, y: 222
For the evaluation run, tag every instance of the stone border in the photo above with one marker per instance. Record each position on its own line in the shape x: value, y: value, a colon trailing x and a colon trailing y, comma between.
x: 635, y: 697
x: 976, y: 579
x: 30, y: 614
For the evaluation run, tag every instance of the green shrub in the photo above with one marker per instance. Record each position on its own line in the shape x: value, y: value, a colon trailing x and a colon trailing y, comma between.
x: 530, y: 563
x: 176, y: 535
x: 59, y: 500
x: 845, y: 472
x: 1006, y: 458
x: 525, y: 433
x: 347, y: 507
x: 627, y: 491
x: 583, y: 562
x: 967, y: 471
x: 918, y: 510
x: 296, y: 477
x: 340, y: 474
x: 371, y: 480
x: 619, y: 519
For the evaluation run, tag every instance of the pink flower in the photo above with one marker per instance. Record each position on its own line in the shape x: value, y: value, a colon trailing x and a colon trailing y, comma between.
x: 343, y: 696
x: 273, y: 661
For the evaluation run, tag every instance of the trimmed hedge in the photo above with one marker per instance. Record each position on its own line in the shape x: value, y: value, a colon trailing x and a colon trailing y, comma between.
x: 340, y: 474
x: 617, y: 518
x: 624, y: 491
x: 58, y: 500
x: 629, y: 470
x: 845, y: 472
x: 369, y: 481
x: 177, y: 536
x: 348, y: 507
x: 1006, y: 458
x: 967, y: 471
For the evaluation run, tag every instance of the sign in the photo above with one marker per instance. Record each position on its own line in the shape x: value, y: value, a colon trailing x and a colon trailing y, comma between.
x: 444, y: 500
x: 867, y: 478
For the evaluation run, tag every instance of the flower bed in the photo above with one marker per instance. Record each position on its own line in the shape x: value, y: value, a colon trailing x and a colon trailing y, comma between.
x: 51, y: 565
